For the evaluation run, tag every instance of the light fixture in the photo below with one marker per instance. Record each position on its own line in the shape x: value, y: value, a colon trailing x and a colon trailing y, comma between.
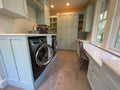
x: 52, y: 6
x: 67, y: 4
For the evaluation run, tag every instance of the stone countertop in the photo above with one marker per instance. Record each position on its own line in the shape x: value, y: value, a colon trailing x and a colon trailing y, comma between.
x: 28, y: 35
x: 94, y: 52
x: 82, y: 40
x: 101, y: 56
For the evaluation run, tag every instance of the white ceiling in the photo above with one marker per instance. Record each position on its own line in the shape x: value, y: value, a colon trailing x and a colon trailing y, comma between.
x: 74, y: 4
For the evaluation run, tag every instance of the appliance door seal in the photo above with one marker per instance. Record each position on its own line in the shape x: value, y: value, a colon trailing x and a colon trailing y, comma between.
x: 43, y: 55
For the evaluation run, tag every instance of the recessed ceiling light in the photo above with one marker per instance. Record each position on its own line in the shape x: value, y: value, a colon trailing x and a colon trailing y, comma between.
x: 52, y: 6
x: 68, y: 4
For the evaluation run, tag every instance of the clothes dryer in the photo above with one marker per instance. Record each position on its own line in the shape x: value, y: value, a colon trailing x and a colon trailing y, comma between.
x: 41, y: 54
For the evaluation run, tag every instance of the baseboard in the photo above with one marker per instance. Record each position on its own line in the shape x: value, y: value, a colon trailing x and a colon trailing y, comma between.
x: 3, y: 84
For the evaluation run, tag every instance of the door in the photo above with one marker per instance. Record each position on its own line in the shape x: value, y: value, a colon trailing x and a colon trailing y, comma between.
x: 67, y: 31
x: 43, y: 55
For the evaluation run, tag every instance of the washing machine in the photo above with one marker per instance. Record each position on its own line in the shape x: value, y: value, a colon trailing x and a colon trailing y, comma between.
x: 41, y: 54
x: 54, y: 45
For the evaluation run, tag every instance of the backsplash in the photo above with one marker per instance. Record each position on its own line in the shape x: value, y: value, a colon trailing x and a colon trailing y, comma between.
x: 13, y: 25
x: 82, y: 35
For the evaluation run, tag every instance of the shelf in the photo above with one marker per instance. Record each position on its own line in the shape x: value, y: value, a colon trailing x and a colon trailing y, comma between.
x: 36, y: 4
x: 53, y: 24
x: 80, y: 22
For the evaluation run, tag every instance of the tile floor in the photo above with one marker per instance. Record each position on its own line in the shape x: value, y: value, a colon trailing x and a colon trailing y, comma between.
x: 64, y: 74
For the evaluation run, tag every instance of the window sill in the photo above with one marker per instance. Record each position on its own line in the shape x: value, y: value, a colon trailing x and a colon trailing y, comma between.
x: 113, y: 51
x: 97, y: 44
x: 110, y: 50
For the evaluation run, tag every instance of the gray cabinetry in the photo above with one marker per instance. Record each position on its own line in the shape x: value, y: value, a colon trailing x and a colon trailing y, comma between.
x: 88, y: 18
x: 43, y: 16
x: 93, y: 74
x: 16, y: 61
x: 102, y: 78
x: 14, y: 8
x: 109, y: 80
x: 67, y: 24
x: 53, y: 23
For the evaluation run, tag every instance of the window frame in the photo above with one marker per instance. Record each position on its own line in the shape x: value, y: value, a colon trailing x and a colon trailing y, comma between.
x: 114, y: 30
x: 96, y: 23
x: 109, y: 31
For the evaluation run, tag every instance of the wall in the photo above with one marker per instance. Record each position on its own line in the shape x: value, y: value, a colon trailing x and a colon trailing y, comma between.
x: 12, y: 25
x: 22, y: 26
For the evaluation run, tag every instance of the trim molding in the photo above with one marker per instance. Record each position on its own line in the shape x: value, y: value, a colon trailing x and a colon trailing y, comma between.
x: 3, y: 84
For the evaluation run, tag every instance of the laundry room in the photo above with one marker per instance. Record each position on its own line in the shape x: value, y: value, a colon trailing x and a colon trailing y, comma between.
x: 60, y: 45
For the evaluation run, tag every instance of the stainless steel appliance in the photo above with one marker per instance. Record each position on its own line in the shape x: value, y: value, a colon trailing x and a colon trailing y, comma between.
x: 54, y: 45
x: 41, y: 54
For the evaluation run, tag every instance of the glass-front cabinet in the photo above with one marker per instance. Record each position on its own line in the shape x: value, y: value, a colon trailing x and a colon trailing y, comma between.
x: 53, y: 23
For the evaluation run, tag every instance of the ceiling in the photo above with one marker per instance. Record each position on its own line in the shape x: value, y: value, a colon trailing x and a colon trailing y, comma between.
x: 74, y: 4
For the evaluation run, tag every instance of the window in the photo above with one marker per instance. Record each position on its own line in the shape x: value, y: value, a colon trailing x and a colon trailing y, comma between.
x: 114, y: 35
x: 117, y: 41
x: 106, y: 25
x: 102, y: 21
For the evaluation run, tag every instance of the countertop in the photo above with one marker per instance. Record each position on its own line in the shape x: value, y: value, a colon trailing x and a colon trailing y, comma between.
x: 101, y: 56
x: 82, y: 40
x: 28, y: 35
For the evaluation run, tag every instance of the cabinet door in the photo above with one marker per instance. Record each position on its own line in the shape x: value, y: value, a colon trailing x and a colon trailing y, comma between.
x: 8, y: 59
x: 22, y: 60
x: 67, y: 31
x: 88, y: 18
x: 16, y: 6
x: 25, y: 8
x: 43, y: 16
x: 47, y: 16
x: 109, y: 79
x: 16, y: 59
x: 108, y: 84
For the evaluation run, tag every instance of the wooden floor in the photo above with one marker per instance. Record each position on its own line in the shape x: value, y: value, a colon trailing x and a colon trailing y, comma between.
x: 64, y: 74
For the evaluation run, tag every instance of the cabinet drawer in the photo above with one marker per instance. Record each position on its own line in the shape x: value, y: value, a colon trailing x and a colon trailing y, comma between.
x: 96, y: 69
x: 109, y: 83
x: 109, y: 73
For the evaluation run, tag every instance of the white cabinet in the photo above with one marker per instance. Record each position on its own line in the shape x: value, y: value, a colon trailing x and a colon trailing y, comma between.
x: 16, y: 61
x: 93, y: 74
x: 102, y: 77
x: 14, y: 8
x: 67, y: 24
x: 80, y: 22
x: 53, y: 23
x: 88, y: 18
x: 43, y: 16
x: 109, y: 80
x: 3, y: 76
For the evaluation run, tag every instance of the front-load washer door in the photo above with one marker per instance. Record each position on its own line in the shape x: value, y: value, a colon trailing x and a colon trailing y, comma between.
x: 43, y: 55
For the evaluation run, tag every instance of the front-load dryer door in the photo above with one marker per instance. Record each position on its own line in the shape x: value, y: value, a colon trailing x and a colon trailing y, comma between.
x: 55, y: 45
x: 43, y: 55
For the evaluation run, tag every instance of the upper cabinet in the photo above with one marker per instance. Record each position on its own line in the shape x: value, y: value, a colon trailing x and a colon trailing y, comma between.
x: 88, y: 18
x: 37, y: 4
x: 14, y: 8
x: 80, y: 22
x: 43, y: 16
x: 53, y: 23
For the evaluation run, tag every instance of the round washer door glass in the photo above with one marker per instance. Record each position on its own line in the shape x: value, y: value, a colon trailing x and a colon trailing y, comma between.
x: 44, y: 55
